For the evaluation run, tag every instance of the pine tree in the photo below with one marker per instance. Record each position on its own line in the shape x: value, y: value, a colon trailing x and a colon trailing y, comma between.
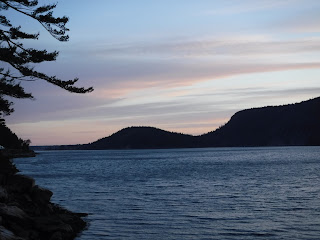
x: 17, y: 62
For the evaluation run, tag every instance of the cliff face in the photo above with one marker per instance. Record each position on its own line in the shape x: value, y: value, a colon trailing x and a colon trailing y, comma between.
x: 288, y: 125
x: 26, y: 212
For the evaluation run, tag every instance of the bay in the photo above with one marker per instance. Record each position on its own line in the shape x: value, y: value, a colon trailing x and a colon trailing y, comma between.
x: 211, y: 193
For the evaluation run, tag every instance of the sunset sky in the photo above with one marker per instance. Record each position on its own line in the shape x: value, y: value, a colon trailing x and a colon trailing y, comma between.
x: 179, y: 65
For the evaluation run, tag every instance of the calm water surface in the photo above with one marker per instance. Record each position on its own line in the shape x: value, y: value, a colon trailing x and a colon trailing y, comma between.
x: 224, y: 193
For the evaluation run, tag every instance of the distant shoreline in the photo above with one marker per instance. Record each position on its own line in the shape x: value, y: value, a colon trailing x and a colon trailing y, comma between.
x: 287, y: 125
x: 38, y: 148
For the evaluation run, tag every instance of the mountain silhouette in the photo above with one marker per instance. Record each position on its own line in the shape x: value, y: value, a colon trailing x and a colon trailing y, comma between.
x: 287, y: 125
x: 142, y: 137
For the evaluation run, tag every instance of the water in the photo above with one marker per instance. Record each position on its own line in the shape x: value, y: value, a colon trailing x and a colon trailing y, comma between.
x: 224, y: 193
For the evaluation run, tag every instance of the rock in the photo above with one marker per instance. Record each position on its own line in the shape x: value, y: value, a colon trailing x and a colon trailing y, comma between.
x: 20, y: 183
x: 74, y: 220
x: 26, y: 212
x: 3, y: 179
x: 14, y: 217
x: 56, y: 236
x: 41, y: 195
x: 51, y: 224
x: 6, y: 166
x: 12, y: 212
x: 3, y: 194
x: 27, y: 197
x: 18, y: 229
x: 5, y: 234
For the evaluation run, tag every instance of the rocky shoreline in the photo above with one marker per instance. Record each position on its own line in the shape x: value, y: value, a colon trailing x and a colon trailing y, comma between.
x: 26, y: 212
x: 17, y: 153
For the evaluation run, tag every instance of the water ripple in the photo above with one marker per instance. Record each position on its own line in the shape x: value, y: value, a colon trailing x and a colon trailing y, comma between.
x: 202, y: 194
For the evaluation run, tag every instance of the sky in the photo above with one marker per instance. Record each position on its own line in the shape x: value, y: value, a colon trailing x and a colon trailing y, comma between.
x: 179, y: 65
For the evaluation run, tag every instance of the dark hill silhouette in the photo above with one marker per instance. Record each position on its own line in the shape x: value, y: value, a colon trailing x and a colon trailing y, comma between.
x: 287, y: 125
x: 10, y: 140
x: 12, y: 144
x: 142, y: 137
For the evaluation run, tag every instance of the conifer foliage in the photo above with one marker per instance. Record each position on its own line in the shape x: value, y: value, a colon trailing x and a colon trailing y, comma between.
x: 17, y: 62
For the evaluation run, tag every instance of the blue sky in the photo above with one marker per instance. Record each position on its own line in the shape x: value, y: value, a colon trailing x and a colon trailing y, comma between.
x: 179, y: 65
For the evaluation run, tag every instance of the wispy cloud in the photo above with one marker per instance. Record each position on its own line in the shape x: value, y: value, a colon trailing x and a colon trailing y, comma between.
x: 169, y: 75
x: 208, y: 48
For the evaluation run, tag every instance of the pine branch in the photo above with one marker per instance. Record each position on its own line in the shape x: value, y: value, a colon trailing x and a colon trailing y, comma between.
x: 21, y: 59
x: 45, y: 20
